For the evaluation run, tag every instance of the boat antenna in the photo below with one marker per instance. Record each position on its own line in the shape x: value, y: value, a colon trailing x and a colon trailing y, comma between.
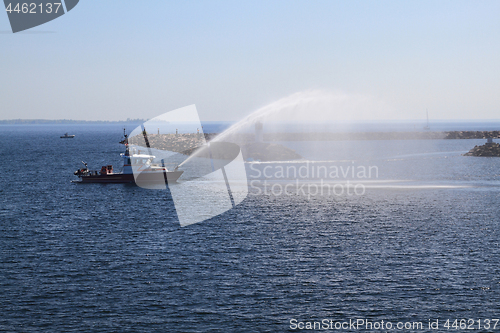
x: 145, y: 134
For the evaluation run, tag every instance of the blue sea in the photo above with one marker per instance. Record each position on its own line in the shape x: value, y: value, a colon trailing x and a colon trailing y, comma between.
x: 421, y: 245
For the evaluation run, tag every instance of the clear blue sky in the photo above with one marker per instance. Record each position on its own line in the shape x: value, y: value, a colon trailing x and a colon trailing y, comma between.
x: 115, y: 59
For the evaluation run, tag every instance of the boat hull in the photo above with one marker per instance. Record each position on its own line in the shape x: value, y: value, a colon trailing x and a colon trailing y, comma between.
x: 120, y: 178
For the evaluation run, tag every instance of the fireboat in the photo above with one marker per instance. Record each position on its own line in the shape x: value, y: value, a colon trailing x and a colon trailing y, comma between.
x: 133, y: 161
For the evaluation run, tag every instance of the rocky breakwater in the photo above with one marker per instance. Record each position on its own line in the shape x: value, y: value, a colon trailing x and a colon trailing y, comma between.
x: 331, y: 136
x: 339, y: 136
x: 179, y: 143
x: 266, y: 152
x: 472, y: 134
x: 486, y: 150
x: 187, y: 143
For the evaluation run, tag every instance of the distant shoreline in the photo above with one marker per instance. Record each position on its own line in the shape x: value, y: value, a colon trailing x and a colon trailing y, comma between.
x: 67, y: 121
x: 89, y: 122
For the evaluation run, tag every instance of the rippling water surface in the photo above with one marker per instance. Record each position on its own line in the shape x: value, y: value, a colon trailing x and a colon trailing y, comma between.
x: 104, y: 257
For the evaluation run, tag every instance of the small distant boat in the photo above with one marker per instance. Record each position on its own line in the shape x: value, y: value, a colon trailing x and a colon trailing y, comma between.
x: 67, y: 136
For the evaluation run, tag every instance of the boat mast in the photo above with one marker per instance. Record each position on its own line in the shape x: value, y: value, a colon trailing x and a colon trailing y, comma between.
x: 427, y: 127
x: 125, y: 142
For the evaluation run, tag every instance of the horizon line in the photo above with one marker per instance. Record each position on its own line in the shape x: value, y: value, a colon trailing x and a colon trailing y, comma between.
x: 138, y: 120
